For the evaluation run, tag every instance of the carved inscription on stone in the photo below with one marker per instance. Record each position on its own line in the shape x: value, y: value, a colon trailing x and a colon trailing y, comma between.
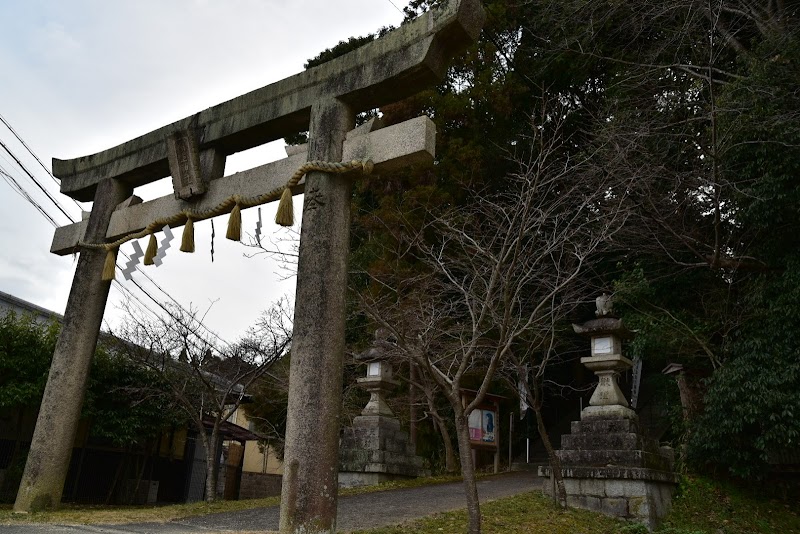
x: 184, y: 165
x: 314, y: 198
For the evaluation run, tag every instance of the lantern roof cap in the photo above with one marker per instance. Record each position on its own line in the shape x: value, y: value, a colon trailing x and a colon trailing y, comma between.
x: 603, y: 325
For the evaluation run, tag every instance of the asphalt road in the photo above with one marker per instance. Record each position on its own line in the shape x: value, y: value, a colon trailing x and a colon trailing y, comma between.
x: 355, y: 512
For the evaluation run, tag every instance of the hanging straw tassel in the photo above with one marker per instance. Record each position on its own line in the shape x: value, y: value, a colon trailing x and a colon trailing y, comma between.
x: 285, y: 215
x: 152, y: 249
x: 110, y: 265
x: 187, y: 243
x: 235, y: 223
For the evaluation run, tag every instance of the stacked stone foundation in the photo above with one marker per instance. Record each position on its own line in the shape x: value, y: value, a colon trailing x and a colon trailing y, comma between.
x: 376, y: 449
x: 609, y: 466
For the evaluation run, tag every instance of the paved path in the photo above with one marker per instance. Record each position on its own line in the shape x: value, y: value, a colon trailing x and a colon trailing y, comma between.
x: 355, y: 512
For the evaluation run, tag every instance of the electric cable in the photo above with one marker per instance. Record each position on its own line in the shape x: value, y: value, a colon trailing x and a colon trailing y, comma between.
x: 39, y: 185
x: 31, y: 152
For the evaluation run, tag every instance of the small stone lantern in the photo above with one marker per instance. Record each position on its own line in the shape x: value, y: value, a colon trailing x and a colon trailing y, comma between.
x: 375, y: 448
x: 606, y: 360
x: 379, y: 376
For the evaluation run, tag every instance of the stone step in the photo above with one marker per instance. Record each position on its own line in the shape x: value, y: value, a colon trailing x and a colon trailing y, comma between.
x: 612, y: 441
x: 606, y: 458
x: 605, y: 426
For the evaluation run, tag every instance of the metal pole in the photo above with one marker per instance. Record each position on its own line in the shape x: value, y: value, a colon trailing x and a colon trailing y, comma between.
x: 510, y: 436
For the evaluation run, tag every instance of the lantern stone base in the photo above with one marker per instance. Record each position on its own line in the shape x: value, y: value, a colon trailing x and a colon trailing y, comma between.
x: 374, y: 450
x: 609, y: 466
x: 607, y: 412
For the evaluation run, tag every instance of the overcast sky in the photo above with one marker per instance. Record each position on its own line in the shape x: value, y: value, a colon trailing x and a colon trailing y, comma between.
x: 80, y: 76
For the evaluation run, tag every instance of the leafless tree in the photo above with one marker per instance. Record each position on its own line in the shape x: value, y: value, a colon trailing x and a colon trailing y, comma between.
x: 207, y: 378
x: 496, y: 272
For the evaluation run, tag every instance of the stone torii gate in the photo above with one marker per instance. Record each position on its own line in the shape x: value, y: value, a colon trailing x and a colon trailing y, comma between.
x: 324, y: 99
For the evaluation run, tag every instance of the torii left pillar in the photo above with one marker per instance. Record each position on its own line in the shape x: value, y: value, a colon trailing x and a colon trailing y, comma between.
x: 46, y: 469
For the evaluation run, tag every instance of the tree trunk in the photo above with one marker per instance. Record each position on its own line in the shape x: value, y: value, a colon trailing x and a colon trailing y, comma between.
x: 450, y: 465
x: 438, y: 423
x: 412, y: 404
x: 210, y: 445
x: 468, y: 472
x: 555, y: 463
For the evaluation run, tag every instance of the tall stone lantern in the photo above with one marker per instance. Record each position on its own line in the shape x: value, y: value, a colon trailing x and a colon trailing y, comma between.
x: 376, y: 448
x: 606, y: 361
x: 607, y: 463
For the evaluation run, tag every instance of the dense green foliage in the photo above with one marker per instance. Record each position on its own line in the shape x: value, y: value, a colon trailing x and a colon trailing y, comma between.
x: 26, y: 348
x: 119, y: 402
x: 123, y: 401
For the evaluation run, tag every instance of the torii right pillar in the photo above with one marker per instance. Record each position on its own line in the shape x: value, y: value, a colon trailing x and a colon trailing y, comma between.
x: 607, y: 463
x: 311, y: 459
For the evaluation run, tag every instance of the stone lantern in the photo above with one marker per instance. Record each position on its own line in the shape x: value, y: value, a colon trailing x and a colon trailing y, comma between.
x: 607, y: 463
x: 606, y: 361
x: 378, y: 380
x: 375, y: 448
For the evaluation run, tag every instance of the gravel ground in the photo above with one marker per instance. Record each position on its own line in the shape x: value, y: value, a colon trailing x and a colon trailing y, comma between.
x: 355, y: 512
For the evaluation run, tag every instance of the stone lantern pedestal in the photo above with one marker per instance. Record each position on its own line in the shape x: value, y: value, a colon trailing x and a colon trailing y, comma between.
x: 376, y: 448
x: 607, y: 399
x: 607, y: 464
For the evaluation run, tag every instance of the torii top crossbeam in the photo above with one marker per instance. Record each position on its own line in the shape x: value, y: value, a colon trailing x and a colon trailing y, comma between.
x: 391, y: 68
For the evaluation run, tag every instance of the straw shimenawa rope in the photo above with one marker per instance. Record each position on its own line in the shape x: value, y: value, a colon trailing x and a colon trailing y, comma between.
x: 232, y: 205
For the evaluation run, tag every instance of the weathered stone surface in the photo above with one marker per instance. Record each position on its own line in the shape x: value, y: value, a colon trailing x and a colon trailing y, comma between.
x: 389, y: 69
x: 377, y: 444
x: 620, y: 458
x: 409, y: 143
x: 46, y: 468
x: 624, y: 488
x: 605, y: 441
x: 310, y: 484
x: 643, y: 500
x: 610, y: 467
x: 132, y: 200
x: 326, y: 98
x: 606, y: 412
x: 590, y: 486
x: 624, y: 473
x: 603, y: 426
x: 183, y: 155
x: 614, y: 507
x: 603, y: 325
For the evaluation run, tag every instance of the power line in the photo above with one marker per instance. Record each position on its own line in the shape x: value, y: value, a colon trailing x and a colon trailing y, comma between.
x: 184, y: 310
x: 397, y: 8
x: 31, y: 152
x: 35, y: 156
x: 38, y: 184
x: 24, y: 194
x: 22, y: 191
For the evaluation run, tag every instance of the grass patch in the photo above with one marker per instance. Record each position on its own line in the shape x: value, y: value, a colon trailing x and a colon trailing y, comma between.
x: 86, y: 514
x: 701, y: 506
x: 526, y: 513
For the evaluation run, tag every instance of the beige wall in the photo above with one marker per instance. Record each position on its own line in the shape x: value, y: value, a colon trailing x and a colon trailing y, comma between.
x: 256, y: 461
